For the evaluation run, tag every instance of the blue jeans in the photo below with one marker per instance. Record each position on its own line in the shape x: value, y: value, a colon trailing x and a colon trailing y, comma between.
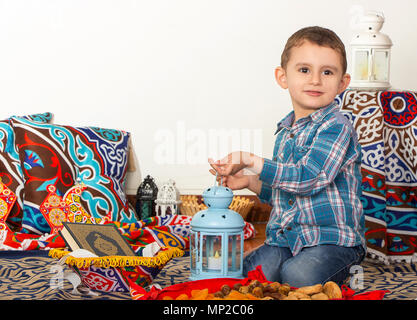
x: 312, y: 265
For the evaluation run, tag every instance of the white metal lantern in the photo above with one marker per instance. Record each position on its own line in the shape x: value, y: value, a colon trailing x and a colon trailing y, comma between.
x: 371, y: 53
x: 168, y: 199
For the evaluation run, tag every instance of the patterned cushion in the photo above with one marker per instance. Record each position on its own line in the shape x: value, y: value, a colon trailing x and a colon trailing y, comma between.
x: 387, y: 129
x: 59, y: 156
x: 7, y: 200
x: 10, y: 170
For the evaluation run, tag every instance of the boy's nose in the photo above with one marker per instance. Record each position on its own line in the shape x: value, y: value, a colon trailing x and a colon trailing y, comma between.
x: 315, y: 78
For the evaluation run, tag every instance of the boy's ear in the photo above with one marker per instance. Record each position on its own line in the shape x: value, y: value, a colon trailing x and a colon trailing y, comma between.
x: 344, y: 83
x: 281, y: 77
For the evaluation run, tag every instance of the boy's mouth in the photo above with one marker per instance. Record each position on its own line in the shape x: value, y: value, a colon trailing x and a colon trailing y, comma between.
x: 313, y: 93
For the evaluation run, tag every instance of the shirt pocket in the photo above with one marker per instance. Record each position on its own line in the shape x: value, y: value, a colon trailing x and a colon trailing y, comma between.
x: 300, y: 152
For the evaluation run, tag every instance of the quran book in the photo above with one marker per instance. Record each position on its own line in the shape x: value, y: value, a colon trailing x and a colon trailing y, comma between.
x: 101, y: 239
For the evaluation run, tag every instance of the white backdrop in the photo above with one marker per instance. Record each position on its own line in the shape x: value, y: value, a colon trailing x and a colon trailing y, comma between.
x: 188, y: 78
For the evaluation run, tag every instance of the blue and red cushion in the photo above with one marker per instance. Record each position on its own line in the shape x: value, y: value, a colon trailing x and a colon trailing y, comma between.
x: 61, y: 155
x: 10, y: 170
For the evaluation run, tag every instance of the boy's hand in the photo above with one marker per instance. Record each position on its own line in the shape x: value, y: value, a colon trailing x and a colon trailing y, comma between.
x: 237, y: 181
x: 238, y: 170
x: 237, y: 161
x: 240, y: 180
x: 231, y: 164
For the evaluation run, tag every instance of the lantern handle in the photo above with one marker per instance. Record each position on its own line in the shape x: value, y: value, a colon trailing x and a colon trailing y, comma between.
x: 378, y: 13
x: 221, y: 180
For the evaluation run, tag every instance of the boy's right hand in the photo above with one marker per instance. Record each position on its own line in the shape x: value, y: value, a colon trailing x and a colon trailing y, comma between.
x: 231, y: 164
x: 238, y: 170
x: 236, y: 181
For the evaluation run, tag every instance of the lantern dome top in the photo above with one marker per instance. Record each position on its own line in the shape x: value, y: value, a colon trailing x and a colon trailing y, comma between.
x: 372, y: 21
x: 168, y: 194
x: 218, y: 197
x: 147, y: 189
x: 217, y: 219
x: 369, y: 25
x: 218, y: 216
x: 371, y: 39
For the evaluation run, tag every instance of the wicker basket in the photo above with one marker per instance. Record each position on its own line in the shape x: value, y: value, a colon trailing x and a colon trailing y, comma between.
x: 190, y: 205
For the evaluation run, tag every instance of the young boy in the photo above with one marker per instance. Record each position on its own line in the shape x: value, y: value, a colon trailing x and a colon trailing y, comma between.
x: 315, y: 232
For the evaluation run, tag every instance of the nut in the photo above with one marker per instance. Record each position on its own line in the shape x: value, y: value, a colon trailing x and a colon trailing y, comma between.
x: 284, y: 289
x: 244, y: 289
x: 332, y: 290
x: 258, y: 292
x: 319, y: 296
x: 237, y: 286
x: 225, y: 289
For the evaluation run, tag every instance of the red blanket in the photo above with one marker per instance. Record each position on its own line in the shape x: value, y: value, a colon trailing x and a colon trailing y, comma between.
x: 213, y: 285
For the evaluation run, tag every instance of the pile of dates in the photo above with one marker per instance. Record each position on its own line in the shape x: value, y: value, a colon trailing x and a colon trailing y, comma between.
x: 257, y: 290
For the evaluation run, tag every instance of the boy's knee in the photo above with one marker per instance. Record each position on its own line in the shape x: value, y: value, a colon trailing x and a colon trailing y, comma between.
x: 270, y: 258
x: 300, y: 276
x: 270, y: 270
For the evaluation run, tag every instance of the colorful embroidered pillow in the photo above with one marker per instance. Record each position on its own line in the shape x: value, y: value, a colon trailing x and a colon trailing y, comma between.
x: 10, y: 170
x: 59, y: 156
x: 7, y: 200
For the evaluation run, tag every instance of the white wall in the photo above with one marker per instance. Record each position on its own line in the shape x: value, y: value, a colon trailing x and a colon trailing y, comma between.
x: 175, y: 73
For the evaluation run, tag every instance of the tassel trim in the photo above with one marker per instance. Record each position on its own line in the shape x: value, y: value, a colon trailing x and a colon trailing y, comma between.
x: 161, y: 258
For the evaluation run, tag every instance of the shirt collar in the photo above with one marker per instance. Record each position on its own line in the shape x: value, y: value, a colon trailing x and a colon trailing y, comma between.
x: 286, y: 122
x: 315, y: 116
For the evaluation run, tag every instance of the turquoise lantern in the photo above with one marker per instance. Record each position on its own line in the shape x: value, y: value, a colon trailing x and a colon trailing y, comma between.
x: 216, y: 238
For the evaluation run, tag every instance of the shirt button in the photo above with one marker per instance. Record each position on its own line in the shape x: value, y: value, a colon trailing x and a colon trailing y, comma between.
x: 281, y: 231
x: 291, y: 135
x: 289, y: 228
x: 291, y: 202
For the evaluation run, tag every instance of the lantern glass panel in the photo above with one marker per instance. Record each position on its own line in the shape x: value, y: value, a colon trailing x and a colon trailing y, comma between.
x: 211, y: 253
x: 234, y: 247
x: 361, y: 65
x: 381, y: 65
x: 194, y: 243
x: 146, y: 209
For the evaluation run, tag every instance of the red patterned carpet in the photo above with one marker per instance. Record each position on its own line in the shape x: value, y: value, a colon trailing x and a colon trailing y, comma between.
x: 35, y: 276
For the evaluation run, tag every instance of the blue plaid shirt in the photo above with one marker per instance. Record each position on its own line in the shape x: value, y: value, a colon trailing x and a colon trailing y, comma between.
x: 313, y: 182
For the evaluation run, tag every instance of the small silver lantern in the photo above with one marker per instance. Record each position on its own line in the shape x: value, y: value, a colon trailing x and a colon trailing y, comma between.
x: 371, y: 54
x: 168, y: 199
x: 216, y: 238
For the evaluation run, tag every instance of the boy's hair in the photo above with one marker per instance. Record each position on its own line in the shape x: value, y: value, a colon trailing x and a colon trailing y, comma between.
x: 318, y: 35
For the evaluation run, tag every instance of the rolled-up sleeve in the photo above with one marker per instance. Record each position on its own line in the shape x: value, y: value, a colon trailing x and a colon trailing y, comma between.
x: 316, y: 169
x: 266, y: 193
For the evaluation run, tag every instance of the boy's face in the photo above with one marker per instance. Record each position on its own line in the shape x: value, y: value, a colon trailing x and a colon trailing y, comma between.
x: 313, y: 76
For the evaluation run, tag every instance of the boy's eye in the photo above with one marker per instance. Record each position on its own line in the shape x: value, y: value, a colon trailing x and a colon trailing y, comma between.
x: 303, y: 70
x: 327, y: 72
